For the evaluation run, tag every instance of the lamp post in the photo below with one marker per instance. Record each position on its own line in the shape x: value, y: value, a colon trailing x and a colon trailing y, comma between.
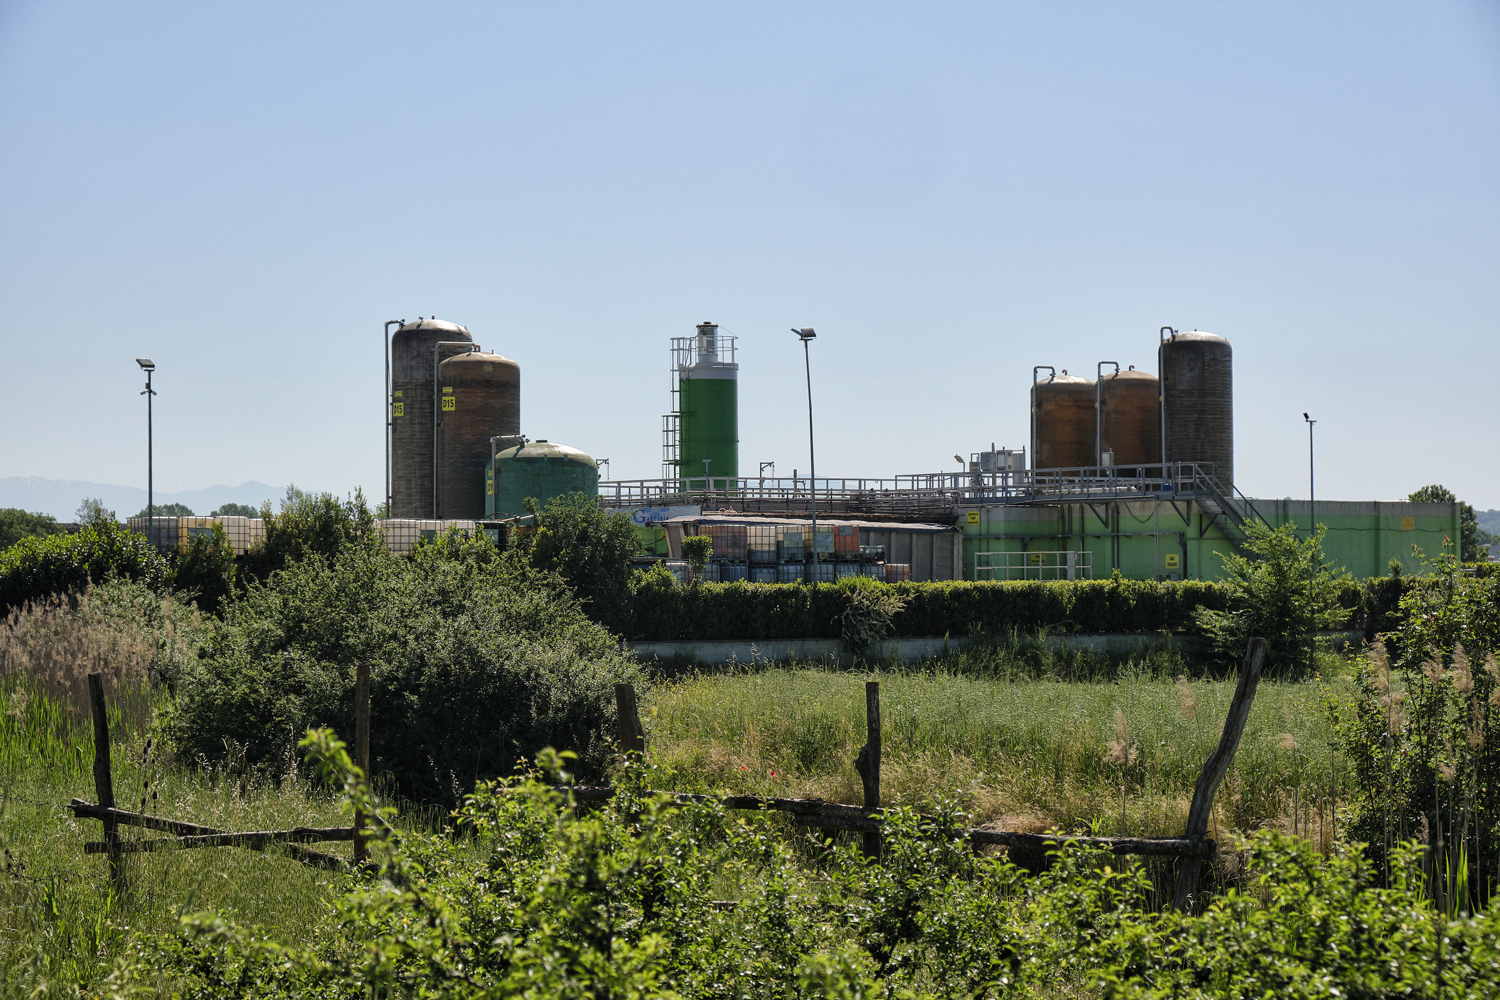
x: 1312, y: 496
x: 148, y: 366
x: 807, y: 335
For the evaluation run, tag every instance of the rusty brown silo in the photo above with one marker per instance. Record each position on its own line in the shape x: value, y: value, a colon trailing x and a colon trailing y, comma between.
x: 1129, y: 418
x: 1197, y: 383
x: 480, y: 398
x: 412, y: 426
x: 1062, y: 422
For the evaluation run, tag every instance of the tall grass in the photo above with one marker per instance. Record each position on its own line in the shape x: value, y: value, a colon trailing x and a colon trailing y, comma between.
x: 61, y: 926
x: 1118, y: 756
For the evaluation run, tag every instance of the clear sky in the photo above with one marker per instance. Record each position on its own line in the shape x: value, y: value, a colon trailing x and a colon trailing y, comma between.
x: 949, y: 193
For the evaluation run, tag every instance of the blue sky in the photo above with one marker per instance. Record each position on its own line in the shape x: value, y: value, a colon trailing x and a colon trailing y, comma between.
x: 949, y: 193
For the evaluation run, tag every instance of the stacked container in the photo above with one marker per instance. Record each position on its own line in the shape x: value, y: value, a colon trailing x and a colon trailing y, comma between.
x: 761, y: 543
x: 897, y: 572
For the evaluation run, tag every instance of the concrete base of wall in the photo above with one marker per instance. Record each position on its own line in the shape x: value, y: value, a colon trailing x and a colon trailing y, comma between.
x: 732, y: 652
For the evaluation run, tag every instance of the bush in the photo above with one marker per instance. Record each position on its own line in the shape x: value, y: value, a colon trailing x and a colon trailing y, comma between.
x: 204, y: 572
x: 1424, y: 734
x: 37, y: 568
x: 476, y: 660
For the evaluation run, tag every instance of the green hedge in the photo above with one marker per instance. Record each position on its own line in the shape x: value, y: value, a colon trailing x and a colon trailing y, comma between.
x: 37, y: 567
x: 766, y: 611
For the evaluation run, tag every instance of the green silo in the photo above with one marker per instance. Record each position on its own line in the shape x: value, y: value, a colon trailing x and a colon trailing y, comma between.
x: 536, y: 469
x: 708, y: 404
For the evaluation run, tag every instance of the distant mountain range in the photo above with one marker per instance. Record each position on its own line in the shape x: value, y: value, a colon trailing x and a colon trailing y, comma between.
x: 61, y: 497
x: 1489, y: 520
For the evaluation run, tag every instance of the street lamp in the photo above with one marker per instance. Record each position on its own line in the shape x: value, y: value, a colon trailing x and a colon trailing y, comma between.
x: 807, y: 335
x: 1312, y: 496
x: 148, y: 366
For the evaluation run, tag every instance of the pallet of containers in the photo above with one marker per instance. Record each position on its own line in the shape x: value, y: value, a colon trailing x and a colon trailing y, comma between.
x: 731, y: 541
x: 875, y: 571
x: 678, y: 568
x: 825, y: 543
x: 792, y: 545
x: 161, y: 532
x: 846, y: 569
x: 732, y: 571
x: 403, y: 534
x: 897, y: 572
x: 846, y: 542
x: 761, y: 543
x: 763, y: 572
x: 823, y: 572
x: 790, y: 572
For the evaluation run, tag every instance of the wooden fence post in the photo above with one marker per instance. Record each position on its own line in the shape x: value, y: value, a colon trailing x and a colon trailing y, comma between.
x: 868, y: 763
x: 629, y: 733
x: 104, y: 787
x: 1215, y: 768
x: 361, y: 751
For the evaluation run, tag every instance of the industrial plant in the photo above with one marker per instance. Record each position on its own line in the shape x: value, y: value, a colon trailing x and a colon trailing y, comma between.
x: 1127, y: 471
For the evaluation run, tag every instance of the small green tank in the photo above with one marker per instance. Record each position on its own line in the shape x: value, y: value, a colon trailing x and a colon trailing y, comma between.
x: 538, y: 469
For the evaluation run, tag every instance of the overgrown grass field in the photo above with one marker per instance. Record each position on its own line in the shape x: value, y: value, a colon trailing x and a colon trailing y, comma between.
x: 1118, y: 756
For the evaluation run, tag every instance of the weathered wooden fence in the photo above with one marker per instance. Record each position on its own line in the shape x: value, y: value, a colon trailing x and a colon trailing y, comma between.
x: 1192, y: 849
x: 186, y: 835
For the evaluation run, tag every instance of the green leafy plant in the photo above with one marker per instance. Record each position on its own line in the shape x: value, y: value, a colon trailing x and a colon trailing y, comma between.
x: 1472, y: 539
x: 1283, y: 590
x: 309, y: 524
x: 37, y: 568
x: 17, y: 524
x: 697, y: 550
x: 869, y: 610
x: 588, y: 548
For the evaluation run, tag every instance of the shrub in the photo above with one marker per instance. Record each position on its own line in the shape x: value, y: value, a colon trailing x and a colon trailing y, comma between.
x: 204, y: 572
x: 1283, y: 590
x: 476, y: 661
x: 1424, y: 734
x: 36, y: 568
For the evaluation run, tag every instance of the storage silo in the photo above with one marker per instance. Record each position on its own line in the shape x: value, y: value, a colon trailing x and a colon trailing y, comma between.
x: 412, y: 425
x: 1129, y: 418
x: 1197, y: 401
x: 480, y: 398
x: 1062, y: 421
x: 708, y: 405
x: 537, y: 469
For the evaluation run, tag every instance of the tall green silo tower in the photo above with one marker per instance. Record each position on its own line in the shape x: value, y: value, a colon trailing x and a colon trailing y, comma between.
x: 703, y: 435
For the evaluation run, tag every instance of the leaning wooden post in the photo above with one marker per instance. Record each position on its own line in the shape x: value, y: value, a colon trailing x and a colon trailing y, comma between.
x: 1215, y: 768
x: 104, y: 787
x: 628, y: 721
x: 868, y: 763
x: 361, y: 752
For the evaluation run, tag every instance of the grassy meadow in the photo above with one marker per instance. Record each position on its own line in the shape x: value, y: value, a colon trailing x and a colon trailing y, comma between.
x: 1117, y: 755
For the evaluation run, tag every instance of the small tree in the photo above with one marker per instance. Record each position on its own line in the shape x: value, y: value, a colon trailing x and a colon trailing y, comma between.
x: 1471, y: 547
x: 235, y: 510
x: 16, y: 524
x: 1284, y: 590
x: 697, y: 550
x: 91, y: 510
x: 167, y: 510
x: 309, y: 524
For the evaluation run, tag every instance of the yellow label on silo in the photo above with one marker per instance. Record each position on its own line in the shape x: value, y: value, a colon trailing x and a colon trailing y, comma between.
x: 449, y: 401
x: 1172, y: 561
x: 398, y: 393
x: 398, y: 410
x: 447, y: 388
x: 1408, y: 524
x: 1036, y: 558
x: 973, y: 517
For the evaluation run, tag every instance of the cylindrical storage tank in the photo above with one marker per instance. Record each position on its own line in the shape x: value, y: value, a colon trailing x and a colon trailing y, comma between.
x: 542, y: 470
x: 412, y: 422
x: 1197, y: 386
x: 1129, y: 419
x: 480, y: 398
x: 1062, y: 422
x: 709, y: 402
